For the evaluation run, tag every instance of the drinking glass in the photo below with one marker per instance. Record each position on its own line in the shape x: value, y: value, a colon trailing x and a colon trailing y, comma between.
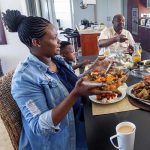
x: 106, y: 52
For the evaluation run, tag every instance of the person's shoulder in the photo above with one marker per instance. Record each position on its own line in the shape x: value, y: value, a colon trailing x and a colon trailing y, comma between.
x: 106, y: 29
x: 61, y: 60
x: 106, y: 33
x: 126, y: 31
x: 25, y: 70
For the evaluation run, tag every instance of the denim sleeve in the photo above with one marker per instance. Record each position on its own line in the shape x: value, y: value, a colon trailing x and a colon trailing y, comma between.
x: 32, y: 102
x: 46, y: 122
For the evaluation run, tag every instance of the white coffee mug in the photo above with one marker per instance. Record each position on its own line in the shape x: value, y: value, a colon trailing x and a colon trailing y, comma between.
x: 125, y: 136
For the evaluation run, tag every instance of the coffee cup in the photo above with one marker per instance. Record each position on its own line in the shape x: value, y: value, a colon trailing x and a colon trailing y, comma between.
x: 125, y: 134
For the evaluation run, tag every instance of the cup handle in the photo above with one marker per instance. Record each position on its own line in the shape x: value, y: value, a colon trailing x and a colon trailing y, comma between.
x: 111, y: 140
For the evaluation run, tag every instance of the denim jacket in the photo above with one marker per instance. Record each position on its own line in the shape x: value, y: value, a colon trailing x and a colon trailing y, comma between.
x: 37, y: 91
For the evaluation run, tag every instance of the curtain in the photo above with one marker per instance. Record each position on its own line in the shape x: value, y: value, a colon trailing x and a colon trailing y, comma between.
x: 42, y: 8
x: 48, y: 11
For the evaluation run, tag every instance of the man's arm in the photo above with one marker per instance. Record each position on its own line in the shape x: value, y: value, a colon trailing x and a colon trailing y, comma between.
x: 107, y: 42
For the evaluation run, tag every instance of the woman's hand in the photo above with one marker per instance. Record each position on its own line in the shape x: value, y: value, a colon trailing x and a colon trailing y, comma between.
x: 82, y: 89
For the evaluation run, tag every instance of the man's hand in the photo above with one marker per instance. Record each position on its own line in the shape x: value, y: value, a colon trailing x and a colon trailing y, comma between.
x: 121, y: 38
x: 130, y: 49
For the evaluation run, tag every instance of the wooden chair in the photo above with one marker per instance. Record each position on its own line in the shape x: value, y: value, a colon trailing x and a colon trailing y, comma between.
x: 9, y: 111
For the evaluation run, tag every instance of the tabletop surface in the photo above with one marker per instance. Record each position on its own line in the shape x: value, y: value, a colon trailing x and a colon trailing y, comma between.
x: 99, y: 128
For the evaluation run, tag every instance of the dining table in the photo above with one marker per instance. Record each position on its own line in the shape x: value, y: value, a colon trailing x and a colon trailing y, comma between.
x: 99, y: 128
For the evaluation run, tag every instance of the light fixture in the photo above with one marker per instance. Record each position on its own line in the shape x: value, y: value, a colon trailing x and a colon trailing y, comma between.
x: 83, y: 6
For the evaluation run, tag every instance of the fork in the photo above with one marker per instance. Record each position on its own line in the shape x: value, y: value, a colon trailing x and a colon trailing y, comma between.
x: 109, y: 66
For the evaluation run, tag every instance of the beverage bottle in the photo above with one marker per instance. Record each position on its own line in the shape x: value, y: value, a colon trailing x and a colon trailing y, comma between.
x: 140, y: 48
x: 136, y: 56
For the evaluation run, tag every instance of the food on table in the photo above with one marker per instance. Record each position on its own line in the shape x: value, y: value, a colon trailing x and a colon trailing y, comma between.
x: 147, y: 63
x: 141, y: 90
x: 113, y: 79
x: 109, y: 96
x: 123, y: 61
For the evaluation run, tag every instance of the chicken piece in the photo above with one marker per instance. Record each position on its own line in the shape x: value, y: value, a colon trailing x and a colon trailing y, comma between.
x: 141, y: 84
x: 143, y: 94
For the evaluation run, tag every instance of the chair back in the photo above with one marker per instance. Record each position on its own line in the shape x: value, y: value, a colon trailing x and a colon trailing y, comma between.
x: 9, y: 111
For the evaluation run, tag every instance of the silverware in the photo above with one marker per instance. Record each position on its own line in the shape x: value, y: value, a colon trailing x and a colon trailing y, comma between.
x: 109, y: 66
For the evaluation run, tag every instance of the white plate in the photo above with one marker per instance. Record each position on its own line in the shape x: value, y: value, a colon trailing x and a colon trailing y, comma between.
x: 129, y: 92
x: 145, y: 61
x: 147, y: 66
x: 122, y: 89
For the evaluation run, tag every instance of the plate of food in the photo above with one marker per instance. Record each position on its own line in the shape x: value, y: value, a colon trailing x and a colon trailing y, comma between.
x: 123, y: 61
x: 109, y: 98
x: 146, y: 63
x: 140, y: 91
x: 110, y: 80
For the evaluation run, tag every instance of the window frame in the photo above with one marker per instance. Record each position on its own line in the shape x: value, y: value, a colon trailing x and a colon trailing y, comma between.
x: 2, y: 33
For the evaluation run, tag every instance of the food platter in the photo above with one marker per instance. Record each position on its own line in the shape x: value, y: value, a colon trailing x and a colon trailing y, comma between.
x: 123, y: 61
x: 122, y: 89
x: 129, y: 92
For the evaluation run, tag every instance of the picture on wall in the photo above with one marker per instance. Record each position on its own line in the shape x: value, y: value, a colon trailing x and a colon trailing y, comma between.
x: 135, y: 21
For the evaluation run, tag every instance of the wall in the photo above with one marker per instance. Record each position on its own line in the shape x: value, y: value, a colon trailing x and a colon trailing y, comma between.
x: 102, y: 12
x: 131, y: 4
x: 80, y: 14
x: 106, y: 9
x: 141, y: 5
x: 14, y: 52
x: 125, y: 11
x: 63, y: 11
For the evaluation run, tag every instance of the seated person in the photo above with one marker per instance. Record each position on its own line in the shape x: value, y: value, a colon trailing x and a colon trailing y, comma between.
x: 45, y: 88
x: 117, y: 37
x: 68, y: 52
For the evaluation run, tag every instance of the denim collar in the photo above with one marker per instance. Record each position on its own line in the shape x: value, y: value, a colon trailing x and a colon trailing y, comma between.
x: 37, y: 62
x: 32, y: 58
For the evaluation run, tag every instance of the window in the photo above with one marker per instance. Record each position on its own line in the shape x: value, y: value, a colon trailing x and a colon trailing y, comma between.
x: 2, y: 33
x: 147, y: 5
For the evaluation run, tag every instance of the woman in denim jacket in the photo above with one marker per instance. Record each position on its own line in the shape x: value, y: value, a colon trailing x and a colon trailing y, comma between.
x: 45, y: 87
